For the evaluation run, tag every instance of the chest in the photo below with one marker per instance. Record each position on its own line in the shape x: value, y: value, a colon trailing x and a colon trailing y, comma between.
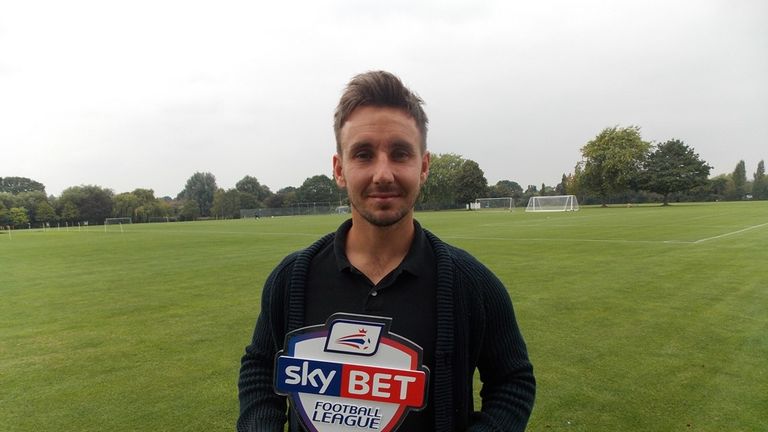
x: 409, y: 299
x: 406, y: 298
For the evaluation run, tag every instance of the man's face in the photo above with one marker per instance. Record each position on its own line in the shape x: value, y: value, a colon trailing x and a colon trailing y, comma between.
x: 381, y: 164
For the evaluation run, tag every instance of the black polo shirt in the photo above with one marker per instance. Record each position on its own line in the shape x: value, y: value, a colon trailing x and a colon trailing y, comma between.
x: 407, y: 295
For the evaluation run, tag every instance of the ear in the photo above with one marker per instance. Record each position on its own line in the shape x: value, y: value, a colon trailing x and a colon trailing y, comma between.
x: 338, y: 172
x: 424, y: 168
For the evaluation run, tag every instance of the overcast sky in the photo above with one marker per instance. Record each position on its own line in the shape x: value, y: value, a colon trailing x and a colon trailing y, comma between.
x: 145, y: 93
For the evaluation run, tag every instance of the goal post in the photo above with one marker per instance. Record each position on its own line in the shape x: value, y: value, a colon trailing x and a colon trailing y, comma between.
x: 120, y: 221
x: 555, y: 203
x: 498, y: 204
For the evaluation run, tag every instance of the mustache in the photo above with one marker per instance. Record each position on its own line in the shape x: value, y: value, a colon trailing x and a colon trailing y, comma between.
x: 384, y: 190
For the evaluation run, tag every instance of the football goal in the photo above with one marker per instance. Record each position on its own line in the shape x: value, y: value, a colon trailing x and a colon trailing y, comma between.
x: 155, y: 219
x: 120, y: 221
x: 552, y: 203
x: 499, y: 204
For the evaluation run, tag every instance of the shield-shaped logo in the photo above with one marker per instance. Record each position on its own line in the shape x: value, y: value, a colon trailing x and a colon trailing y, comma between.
x: 351, y: 374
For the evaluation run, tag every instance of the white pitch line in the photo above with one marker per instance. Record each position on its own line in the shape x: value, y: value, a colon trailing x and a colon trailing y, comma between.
x: 731, y: 233
x: 252, y: 233
x: 300, y: 234
x: 609, y: 240
x: 552, y: 239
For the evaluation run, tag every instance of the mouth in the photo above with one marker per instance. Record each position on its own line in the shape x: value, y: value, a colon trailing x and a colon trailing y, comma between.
x: 383, y: 195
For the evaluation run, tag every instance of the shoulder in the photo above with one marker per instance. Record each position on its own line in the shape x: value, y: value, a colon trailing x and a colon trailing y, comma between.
x: 283, y: 290
x: 285, y: 265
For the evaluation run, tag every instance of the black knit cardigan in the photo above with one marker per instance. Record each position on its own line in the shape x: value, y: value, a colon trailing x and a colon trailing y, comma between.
x: 476, y: 328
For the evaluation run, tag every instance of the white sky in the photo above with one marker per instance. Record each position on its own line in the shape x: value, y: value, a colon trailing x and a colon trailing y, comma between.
x: 145, y: 93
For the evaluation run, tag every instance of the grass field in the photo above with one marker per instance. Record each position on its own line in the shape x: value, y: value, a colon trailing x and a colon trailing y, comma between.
x: 637, y: 319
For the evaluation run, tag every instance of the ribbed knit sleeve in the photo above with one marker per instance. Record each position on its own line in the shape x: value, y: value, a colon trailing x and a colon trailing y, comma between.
x: 261, y: 410
x: 508, y: 385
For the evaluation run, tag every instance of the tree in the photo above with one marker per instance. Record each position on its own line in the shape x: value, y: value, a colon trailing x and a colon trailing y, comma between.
x: 217, y: 208
x: 44, y: 212
x: 249, y: 201
x: 92, y: 203
x: 613, y: 160
x: 125, y: 205
x: 190, y: 210
x: 560, y: 187
x: 575, y: 185
x: 4, y: 218
x: 285, y: 197
x: 439, y: 191
x: 30, y: 201
x: 717, y: 188
x: 16, y: 185
x: 453, y: 182
x: 145, y: 196
x: 69, y: 211
x: 232, y: 206
x: 200, y: 188
x: 163, y: 207
x: 505, y: 188
x: 530, y: 191
x: 18, y: 216
x: 760, y: 182
x: 673, y: 167
x: 251, y: 185
x: 8, y: 200
x: 147, y: 205
x: 226, y: 204
x: 470, y: 182
x: 318, y: 189
x: 739, y: 181
x: 547, y: 190
x: 248, y: 184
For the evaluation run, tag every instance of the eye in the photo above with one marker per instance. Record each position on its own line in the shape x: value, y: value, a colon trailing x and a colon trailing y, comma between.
x: 401, y: 155
x: 362, y: 155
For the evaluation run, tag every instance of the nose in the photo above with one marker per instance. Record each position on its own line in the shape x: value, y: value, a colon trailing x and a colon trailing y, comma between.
x: 383, y: 173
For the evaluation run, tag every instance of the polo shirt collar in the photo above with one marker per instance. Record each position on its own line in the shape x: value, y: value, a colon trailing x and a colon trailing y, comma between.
x: 413, y: 262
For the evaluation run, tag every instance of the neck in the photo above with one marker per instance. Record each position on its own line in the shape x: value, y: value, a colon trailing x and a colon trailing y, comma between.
x: 376, y: 251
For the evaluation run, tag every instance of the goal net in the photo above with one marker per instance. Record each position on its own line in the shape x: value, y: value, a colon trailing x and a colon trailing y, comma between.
x: 552, y: 203
x: 155, y: 219
x: 117, y: 221
x: 500, y: 204
x: 109, y: 223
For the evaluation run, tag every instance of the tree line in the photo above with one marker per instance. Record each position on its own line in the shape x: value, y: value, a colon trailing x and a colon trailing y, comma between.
x: 617, y: 166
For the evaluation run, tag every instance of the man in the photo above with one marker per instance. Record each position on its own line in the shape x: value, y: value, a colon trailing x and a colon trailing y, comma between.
x: 382, y: 263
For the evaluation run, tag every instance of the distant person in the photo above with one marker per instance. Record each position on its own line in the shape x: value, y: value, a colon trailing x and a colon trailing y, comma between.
x: 382, y: 264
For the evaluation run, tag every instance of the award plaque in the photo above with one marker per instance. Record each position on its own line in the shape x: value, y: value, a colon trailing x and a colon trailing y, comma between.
x: 351, y: 374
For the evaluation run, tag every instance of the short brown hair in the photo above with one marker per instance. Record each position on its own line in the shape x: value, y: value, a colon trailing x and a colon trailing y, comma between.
x: 380, y: 89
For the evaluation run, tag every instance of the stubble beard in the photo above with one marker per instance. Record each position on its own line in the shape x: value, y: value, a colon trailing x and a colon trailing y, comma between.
x: 385, y: 220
